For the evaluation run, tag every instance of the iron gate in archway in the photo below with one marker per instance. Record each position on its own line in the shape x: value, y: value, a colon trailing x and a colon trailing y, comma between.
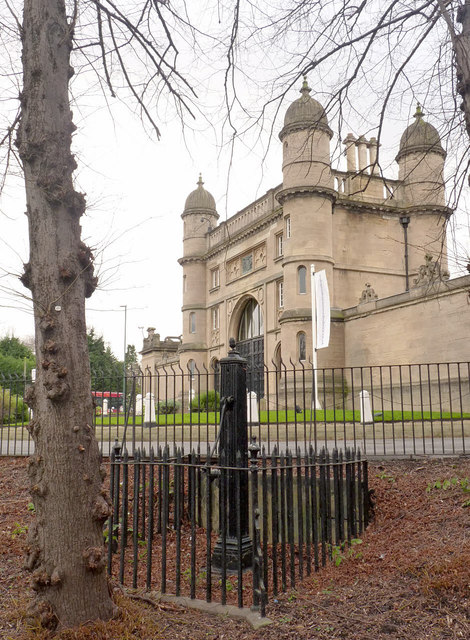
x: 253, y: 351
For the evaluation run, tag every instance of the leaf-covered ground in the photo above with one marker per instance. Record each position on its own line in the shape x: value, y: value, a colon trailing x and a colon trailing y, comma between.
x: 408, y: 579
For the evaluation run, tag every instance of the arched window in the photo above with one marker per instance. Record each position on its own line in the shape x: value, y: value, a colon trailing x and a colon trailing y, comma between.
x: 192, y: 368
x: 215, y: 367
x: 192, y: 322
x: 301, y: 346
x: 215, y: 318
x: 279, y: 245
x: 302, y: 279
x: 192, y: 381
x: 251, y: 323
x: 288, y: 227
x: 277, y: 357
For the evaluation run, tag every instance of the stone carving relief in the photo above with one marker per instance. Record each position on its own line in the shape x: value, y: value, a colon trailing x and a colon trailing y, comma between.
x: 260, y: 257
x: 246, y: 263
x: 233, y: 269
x: 152, y: 338
x: 368, y: 294
x: 215, y: 337
x: 430, y: 272
x: 231, y: 303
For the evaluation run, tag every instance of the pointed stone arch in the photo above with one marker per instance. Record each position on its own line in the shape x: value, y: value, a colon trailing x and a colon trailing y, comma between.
x: 247, y: 327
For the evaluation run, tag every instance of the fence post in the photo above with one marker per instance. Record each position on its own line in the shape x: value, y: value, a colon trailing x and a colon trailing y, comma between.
x: 234, y: 447
x: 259, y: 590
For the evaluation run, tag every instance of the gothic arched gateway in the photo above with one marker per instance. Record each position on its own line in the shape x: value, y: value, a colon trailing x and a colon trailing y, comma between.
x: 250, y: 344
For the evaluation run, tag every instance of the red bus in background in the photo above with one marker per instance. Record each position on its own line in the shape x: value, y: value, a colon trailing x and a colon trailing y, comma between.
x: 114, y: 399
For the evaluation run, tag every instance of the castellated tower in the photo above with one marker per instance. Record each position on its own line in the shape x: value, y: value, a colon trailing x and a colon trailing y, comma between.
x: 199, y: 217
x: 420, y: 190
x: 307, y: 198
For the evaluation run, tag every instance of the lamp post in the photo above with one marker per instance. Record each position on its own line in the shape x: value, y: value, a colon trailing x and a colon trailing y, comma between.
x: 234, y: 547
x: 405, y: 221
x: 124, y: 306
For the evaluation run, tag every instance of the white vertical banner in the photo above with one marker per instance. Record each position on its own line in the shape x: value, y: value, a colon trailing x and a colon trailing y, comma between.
x: 322, y: 303
x: 316, y: 406
x: 320, y: 322
x: 314, y: 315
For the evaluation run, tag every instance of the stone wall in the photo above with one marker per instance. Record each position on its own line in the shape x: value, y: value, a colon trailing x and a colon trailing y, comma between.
x: 427, y: 324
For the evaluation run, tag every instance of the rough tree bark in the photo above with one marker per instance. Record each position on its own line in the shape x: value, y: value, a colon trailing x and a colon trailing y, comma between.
x: 462, y: 57
x: 65, y: 546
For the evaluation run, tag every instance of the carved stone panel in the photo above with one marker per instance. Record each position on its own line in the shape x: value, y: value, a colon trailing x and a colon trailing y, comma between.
x: 246, y: 263
x: 260, y: 256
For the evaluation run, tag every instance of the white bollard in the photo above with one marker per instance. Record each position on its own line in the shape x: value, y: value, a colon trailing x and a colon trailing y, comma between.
x: 105, y: 406
x: 138, y: 404
x: 366, y: 411
x: 149, y: 410
x: 252, y: 407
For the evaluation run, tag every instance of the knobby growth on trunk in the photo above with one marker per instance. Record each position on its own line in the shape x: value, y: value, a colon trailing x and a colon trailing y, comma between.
x: 65, y: 545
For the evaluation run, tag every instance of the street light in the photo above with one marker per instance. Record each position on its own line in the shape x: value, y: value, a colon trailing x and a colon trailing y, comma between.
x: 124, y: 306
x: 405, y: 221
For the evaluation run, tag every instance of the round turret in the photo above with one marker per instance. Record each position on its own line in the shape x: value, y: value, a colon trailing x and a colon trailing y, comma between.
x: 421, y: 165
x: 306, y: 146
x: 420, y: 192
x: 305, y: 113
x: 420, y: 137
x: 200, y: 217
x: 200, y: 200
x: 306, y: 197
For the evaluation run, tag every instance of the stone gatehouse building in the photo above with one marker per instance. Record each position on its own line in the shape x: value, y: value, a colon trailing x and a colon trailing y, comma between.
x: 382, y: 243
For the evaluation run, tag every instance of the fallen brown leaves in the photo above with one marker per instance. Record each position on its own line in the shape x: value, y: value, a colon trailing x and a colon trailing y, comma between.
x: 409, y: 579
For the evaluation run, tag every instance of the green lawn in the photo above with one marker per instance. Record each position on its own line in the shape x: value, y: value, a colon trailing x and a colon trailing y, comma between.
x: 273, y: 417
x: 290, y: 416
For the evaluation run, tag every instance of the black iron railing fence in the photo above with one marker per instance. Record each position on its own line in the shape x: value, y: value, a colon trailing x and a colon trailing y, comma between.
x: 386, y: 410
x: 178, y: 528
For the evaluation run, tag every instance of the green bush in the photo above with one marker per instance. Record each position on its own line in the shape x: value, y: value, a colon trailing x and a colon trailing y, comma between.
x: 13, y: 408
x: 168, y: 407
x: 206, y: 402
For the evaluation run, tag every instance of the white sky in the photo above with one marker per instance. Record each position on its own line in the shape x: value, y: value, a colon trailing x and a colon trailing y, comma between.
x: 136, y: 188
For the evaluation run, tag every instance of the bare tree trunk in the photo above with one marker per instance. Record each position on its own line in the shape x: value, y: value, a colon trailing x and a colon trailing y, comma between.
x: 66, y: 552
x: 462, y: 55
